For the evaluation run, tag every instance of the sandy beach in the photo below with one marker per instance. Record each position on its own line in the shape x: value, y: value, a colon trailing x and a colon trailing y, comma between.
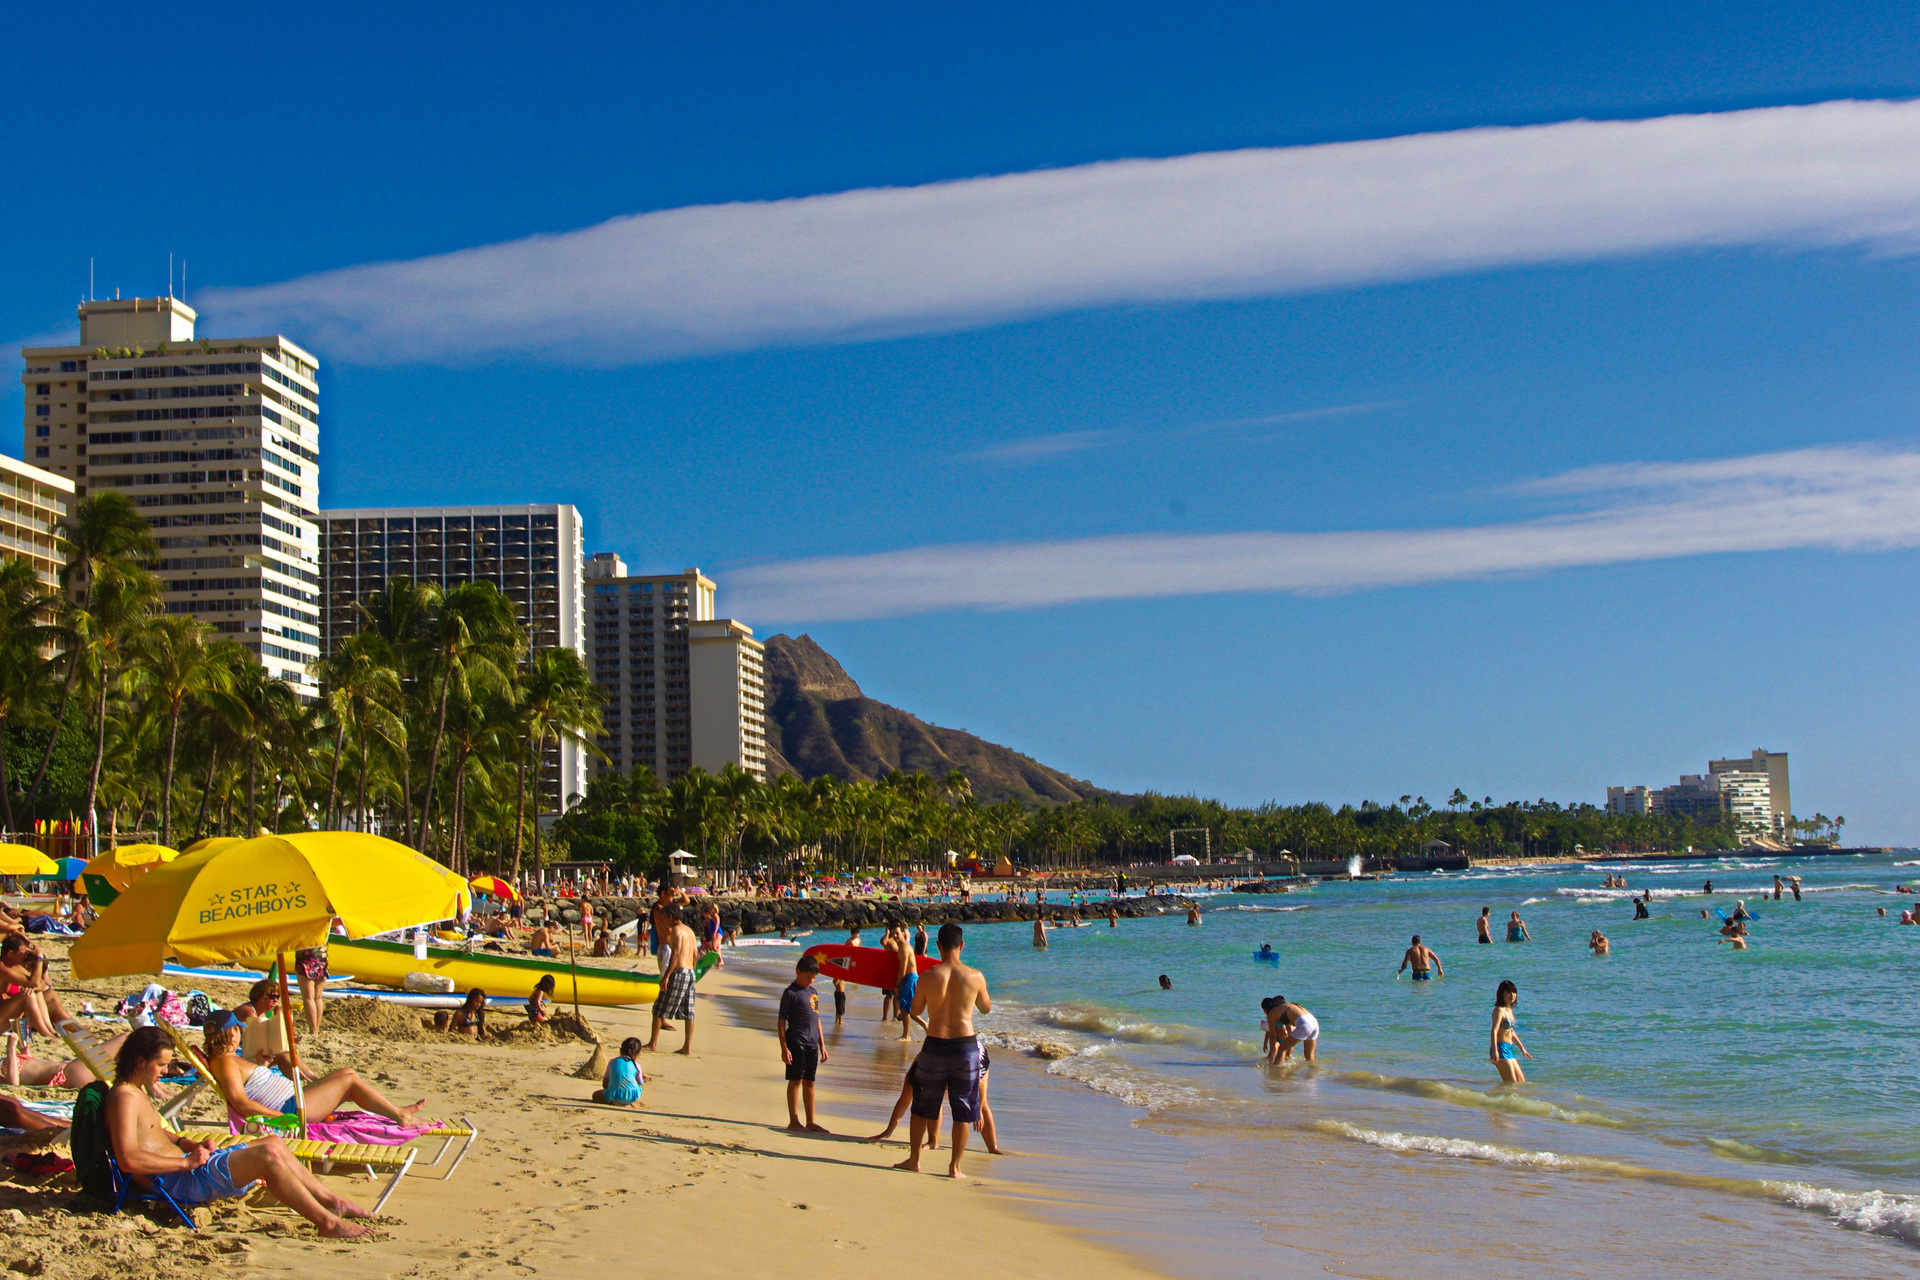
x: 705, y: 1181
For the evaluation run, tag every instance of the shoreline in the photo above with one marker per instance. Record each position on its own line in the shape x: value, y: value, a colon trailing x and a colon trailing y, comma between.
x: 706, y: 1178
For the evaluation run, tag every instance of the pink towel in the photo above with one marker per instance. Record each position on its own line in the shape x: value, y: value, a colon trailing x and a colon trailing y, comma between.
x: 355, y: 1126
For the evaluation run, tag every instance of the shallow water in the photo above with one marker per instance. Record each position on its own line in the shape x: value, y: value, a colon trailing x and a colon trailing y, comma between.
x: 1689, y: 1108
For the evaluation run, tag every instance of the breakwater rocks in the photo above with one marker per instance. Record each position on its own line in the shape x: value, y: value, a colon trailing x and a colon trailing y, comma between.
x: 795, y: 915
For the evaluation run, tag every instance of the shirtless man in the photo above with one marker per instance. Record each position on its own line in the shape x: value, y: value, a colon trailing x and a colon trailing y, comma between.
x: 949, y: 1063
x: 1193, y: 915
x: 1426, y: 963
x: 906, y: 980
x: 682, y: 950
x: 1040, y: 934
x: 193, y: 1173
x: 1598, y: 944
x: 30, y: 992
x: 889, y: 944
x: 1483, y: 927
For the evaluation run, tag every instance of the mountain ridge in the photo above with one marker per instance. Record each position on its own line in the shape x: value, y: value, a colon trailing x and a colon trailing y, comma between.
x: 820, y: 722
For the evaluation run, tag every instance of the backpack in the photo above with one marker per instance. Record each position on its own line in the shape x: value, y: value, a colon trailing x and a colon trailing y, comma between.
x: 198, y: 1007
x: 88, y: 1139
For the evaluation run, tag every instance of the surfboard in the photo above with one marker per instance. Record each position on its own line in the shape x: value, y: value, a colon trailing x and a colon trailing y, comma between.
x: 388, y: 963
x: 862, y: 966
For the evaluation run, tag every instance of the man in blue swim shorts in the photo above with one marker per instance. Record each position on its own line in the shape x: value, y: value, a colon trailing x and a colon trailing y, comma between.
x: 1425, y: 962
x: 193, y: 1173
x: 950, y: 1063
x: 903, y: 1001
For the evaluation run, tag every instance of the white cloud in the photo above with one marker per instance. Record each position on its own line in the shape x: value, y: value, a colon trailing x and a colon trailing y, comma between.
x: 1833, y: 498
x: 875, y: 263
x: 1041, y: 448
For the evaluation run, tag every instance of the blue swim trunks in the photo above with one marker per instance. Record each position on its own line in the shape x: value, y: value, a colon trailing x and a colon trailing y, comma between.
x: 1422, y: 975
x: 904, y: 992
x: 210, y: 1182
x: 543, y: 951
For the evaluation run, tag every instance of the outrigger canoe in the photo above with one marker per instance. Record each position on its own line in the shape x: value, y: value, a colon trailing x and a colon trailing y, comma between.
x: 387, y: 964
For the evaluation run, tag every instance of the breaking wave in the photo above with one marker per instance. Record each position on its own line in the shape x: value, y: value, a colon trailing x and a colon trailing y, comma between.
x: 1458, y: 1095
x: 1870, y: 1211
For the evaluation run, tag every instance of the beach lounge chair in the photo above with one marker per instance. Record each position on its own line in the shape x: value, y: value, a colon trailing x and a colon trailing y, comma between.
x: 375, y: 1161
x: 86, y: 1045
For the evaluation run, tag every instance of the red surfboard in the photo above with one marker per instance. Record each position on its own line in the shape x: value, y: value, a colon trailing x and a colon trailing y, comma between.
x: 862, y: 966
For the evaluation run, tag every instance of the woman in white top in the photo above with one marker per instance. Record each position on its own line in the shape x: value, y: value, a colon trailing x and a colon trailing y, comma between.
x: 255, y: 1090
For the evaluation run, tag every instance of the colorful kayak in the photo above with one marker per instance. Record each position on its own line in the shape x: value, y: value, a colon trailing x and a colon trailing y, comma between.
x: 387, y: 964
x: 862, y: 966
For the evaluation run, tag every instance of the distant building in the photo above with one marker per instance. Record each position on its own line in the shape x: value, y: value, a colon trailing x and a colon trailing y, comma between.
x: 683, y: 687
x: 531, y: 552
x: 1628, y: 800
x: 217, y: 441
x: 1751, y: 791
x: 32, y: 505
x: 1779, y: 798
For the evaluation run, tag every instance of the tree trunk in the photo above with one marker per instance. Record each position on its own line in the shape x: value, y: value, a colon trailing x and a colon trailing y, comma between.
x: 6, y: 796
x: 433, y: 756
x: 333, y: 775
x: 53, y: 735
x: 99, y: 757
x: 519, y: 818
x: 166, y: 780
x: 206, y: 792
x: 253, y: 795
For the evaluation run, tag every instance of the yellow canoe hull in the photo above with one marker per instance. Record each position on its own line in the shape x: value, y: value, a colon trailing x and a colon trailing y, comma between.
x: 387, y: 964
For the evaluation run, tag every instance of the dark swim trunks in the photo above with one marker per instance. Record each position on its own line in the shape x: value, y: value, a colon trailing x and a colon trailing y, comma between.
x: 949, y: 1068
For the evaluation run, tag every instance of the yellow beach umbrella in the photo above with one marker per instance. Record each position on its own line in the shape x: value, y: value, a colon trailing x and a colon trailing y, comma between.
x: 25, y: 860
x: 120, y: 867
x: 212, y: 842
x: 265, y: 896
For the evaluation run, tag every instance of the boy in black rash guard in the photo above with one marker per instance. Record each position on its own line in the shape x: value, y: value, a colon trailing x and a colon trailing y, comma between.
x: 800, y: 1045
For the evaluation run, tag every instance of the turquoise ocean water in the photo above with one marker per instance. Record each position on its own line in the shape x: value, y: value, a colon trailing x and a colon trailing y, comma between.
x: 1689, y: 1108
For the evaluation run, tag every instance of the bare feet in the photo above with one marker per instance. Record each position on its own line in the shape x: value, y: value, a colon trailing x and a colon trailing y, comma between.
x: 344, y: 1230
x: 879, y: 1137
x: 910, y: 1164
x: 994, y: 1151
x: 956, y: 1175
x: 794, y: 1126
x: 815, y: 1128
x: 408, y: 1113
x: 685, y: 1053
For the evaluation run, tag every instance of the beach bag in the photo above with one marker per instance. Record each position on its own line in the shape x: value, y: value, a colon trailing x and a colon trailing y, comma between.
x: 88, y: 1139
x: 198, y: 1007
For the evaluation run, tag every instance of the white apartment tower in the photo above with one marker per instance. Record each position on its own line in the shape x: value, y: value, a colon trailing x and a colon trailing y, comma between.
x: 218, y: 442
x: 683, y: 687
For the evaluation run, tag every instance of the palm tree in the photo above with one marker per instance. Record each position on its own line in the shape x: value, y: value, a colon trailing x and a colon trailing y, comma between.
x: 24, y: 635
x: 102, y: 537
x: 173, y: 667
x: 361, y: 691
x: 474, y: 633
x: 107, y: 632
x: 557, y: 699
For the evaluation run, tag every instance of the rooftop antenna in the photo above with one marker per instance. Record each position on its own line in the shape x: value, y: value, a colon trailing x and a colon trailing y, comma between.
x: 183, y: 279
x: 169, y: 275
x: 89, y: 279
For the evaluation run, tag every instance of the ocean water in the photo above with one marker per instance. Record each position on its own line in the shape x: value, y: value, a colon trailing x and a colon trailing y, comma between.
x: 1689, y: 1108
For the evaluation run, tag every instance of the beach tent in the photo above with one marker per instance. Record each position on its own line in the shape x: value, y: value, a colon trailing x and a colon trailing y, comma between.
x: 1186, y: 860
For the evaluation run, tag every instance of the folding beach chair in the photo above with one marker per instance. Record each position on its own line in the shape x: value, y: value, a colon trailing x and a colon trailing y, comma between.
x: 86, y: 1045
x: 124, y: 1190
x: 374, y: 1160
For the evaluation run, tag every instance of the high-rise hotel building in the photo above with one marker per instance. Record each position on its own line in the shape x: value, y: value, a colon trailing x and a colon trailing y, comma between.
x: 532, y: 553
x: 683, y: 687
x: 33, y: 502
x: 217, y: 441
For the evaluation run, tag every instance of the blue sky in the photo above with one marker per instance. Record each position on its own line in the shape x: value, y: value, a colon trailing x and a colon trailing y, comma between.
x: 897, y: 420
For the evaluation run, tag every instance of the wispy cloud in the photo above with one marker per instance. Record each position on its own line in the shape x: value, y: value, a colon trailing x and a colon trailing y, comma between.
x: 1833, y: 498
x: 1031, y: 449
x: 1041, y: 448
x: 891, y: 261
x: 884, y: 262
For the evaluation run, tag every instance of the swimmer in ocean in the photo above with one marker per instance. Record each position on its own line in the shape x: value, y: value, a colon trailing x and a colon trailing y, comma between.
x: 1425, y: 962
x: 1289, y: 1025
x: 1640, y: 906
x: 1193, y: 915
x: 1598, y: 944
x: 1736, y: 933
x: 1517, y: 929
x: 1484, y: 925
x: 1777, y: 887
x: 1166, y: 983
x: 1040, y: 934
x: 1707, y: 887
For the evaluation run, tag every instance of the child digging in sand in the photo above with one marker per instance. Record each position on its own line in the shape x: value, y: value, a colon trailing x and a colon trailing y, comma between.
x: 801, y: 1047
x: 624, y: 1079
